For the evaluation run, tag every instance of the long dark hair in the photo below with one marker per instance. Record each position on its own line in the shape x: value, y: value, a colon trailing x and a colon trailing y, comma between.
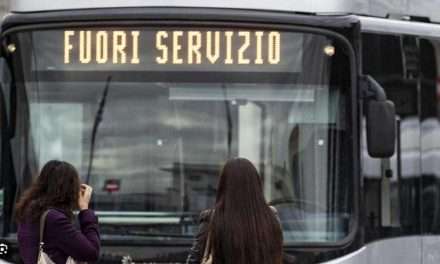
x: 243, y: 229
x: 57, y: 186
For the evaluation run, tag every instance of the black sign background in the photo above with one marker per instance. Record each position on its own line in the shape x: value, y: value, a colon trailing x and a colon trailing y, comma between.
x: 49, y: 46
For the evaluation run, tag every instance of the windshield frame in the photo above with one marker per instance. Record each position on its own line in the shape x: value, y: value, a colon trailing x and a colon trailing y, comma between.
x: 352, y: 100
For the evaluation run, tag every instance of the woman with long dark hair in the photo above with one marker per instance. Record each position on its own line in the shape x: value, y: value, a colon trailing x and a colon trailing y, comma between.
x: 55, y: 194
x: 242, y: 228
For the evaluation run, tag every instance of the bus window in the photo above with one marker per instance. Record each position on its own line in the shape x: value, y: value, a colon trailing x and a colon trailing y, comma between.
x: 430, y: 144
x: 408, y: 74
x: 388, y: 205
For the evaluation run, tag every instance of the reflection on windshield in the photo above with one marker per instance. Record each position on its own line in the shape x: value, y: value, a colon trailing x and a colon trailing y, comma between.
x: 159, y: 148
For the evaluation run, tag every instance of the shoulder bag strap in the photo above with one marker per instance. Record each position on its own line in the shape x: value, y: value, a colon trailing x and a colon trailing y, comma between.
x: 207, y: 256
x: 207, y: 245
x: 42, y: 224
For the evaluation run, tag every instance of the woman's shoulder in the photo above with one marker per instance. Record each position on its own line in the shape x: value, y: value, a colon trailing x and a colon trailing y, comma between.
x: 55, y: 215
x: 56, y: 224
x: 205, y: 215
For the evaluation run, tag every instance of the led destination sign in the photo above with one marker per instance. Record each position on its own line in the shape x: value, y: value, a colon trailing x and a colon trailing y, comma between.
x: 171, y: 49
x: 208, y: 47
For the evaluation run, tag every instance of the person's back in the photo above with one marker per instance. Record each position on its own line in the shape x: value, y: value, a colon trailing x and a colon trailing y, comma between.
x: 242, y: 228
x: 57, y: 191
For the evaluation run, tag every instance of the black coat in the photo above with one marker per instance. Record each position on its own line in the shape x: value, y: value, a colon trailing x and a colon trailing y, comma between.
x: 196, y: 253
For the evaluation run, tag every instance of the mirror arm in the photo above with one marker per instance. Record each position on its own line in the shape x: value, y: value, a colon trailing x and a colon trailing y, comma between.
x: 371, y: 89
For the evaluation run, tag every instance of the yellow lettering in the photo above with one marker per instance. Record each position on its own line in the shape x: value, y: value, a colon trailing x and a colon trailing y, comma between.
x: 85, y: 46
x: 274, y: 47
x: 135, y: 52
x: 177, y: 47
x: 194, y: 45
x: 247, y: 36
x: 259, y: 54
x: 119, y: 45
x: 188, y: 47
x: 160, y: 46
x: 213, y: 57
x: 229, y: 35
x: 67, y: 46
x: 101, y: 47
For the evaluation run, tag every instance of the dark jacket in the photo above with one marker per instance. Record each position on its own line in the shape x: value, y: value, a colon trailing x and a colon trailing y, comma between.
x: 61, y: 238
x: 196, y: 253
x: 198, y: 249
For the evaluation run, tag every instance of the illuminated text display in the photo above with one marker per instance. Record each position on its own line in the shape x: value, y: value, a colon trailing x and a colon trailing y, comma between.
x: 172, y: 49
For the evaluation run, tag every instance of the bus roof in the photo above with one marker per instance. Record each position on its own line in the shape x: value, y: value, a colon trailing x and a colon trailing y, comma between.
x: 378, y: 8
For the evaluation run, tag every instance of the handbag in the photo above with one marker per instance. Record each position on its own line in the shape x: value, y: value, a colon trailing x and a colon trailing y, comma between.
x: 43, y: 258
x: 207, y: 258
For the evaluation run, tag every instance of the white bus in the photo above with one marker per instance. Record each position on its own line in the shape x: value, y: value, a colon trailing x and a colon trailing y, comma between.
x: 334, y: 101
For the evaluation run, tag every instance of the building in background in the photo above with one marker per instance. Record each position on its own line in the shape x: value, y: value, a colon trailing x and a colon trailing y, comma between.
x: 4, y: 7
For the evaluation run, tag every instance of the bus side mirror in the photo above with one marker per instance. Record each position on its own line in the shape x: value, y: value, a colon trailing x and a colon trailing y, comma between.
x: 381, y: 120
x: 381, y: 128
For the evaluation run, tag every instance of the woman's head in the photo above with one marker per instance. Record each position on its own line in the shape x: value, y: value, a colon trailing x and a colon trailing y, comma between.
x: 58, y: 186
x: 239, y: 184
x: 243, y: 228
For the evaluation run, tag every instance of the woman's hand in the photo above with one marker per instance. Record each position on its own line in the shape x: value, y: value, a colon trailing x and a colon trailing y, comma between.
x: 84, y: 196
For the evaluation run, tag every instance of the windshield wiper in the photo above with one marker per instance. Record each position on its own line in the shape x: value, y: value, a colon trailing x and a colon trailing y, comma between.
x: 98, y: 119
x: 228, y: 118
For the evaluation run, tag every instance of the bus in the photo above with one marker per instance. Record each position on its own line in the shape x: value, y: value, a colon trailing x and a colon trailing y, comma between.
x: 335, y: 102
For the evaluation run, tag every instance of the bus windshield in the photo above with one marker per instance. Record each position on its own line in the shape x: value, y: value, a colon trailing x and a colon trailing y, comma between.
x: 148, y: 116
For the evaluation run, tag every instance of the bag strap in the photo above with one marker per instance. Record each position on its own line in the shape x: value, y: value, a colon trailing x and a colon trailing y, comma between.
x: 207, y: 247
x: 206, y: 252
x: 42, y: 224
